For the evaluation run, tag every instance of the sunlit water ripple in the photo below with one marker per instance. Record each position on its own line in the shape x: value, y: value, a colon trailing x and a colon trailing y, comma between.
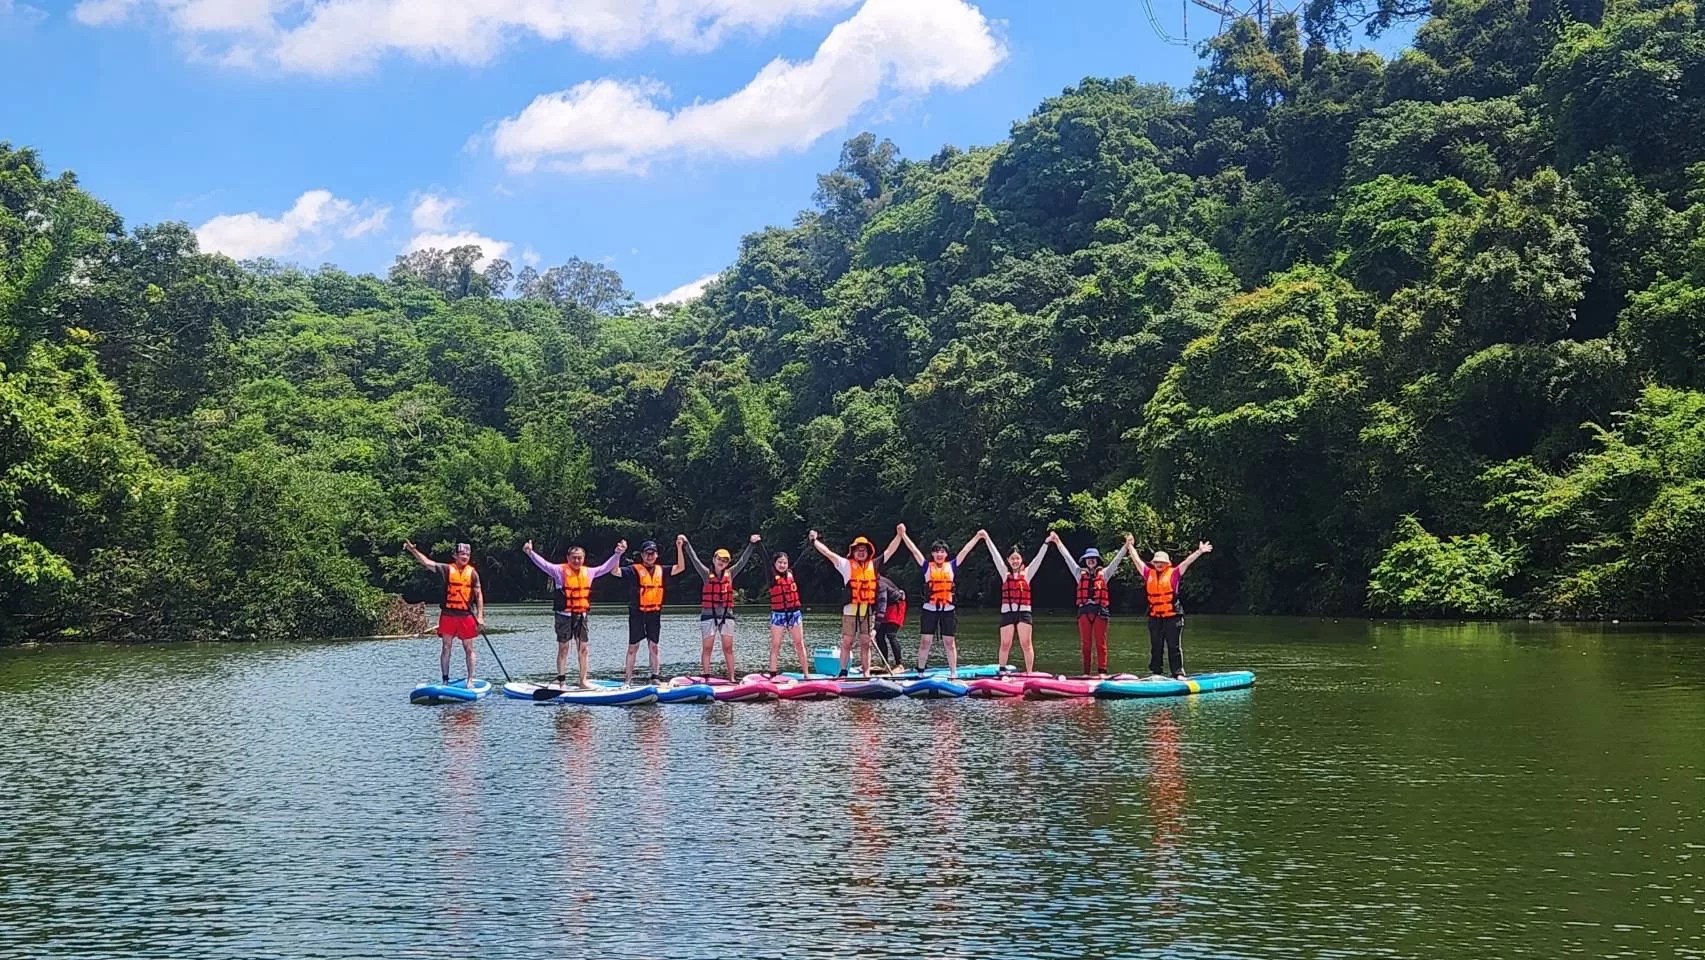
x: 1384, y: 791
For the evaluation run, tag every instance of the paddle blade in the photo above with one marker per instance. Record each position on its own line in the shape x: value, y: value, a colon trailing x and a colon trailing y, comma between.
x: 547, y: 693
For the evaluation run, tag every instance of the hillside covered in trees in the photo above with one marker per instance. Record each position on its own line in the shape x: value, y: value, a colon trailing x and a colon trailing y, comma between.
x: 1414, y: 337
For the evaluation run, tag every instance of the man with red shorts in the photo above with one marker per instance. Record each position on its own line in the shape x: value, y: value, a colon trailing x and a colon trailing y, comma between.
x: 463, y: 611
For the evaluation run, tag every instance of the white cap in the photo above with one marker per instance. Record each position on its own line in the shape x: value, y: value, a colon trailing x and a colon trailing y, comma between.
x: 1161, y: 557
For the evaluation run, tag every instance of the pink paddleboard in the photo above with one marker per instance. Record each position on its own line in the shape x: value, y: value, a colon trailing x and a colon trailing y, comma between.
x: 1056, y: 688
x: 747, y: 690
x: 808, y: 689
x: 993, y: 687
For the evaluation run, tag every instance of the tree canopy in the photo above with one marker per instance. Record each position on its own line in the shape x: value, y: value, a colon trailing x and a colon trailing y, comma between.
x: 1420, y: 337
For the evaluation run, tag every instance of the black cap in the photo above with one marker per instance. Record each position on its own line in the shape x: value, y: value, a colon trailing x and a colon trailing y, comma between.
x: 648, y: 545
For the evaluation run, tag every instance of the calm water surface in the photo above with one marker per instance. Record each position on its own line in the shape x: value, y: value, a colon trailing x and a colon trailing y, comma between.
x: 1385, y: 790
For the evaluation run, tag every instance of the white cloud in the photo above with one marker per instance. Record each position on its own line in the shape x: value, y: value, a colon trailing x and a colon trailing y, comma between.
x: 910, y: 46
x: 432, y: 212
x: 684, y: 292
x: 340, y: 36
x: 372, y: 223
x: 308, y: 225
x: 100, y: 13
x: 492, y: 249
x: 530, y: 257
x: 436, y: 229
x: 20, y: 14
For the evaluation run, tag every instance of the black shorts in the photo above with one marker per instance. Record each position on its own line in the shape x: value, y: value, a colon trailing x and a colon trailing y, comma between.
x: 643, y: 625
x: 944, y: 622
x: 1015, y: 616
x: 570, y: 627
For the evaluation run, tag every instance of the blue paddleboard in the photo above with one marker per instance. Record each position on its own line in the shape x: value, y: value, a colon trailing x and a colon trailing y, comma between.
x: 456, y: 691
x: 1168, y: 687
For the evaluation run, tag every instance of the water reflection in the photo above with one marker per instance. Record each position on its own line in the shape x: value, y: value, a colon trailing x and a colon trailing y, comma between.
x: 1167, y: 799
x: 459, y: 729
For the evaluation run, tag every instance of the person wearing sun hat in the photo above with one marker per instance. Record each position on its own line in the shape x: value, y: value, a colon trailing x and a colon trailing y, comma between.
x: 1094, y: 603
x: 716, y: 602
x: 858, y: 572
x: 645, y: 605
x: 1166, y: 614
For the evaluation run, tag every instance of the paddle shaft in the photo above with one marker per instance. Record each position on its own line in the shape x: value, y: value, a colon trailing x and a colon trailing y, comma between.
x: 493, y: 648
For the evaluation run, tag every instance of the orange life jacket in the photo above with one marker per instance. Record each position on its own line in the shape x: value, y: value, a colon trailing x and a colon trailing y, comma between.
x: 1092, y: 592
x: 784, y: 592
x: 576, y: 590
x: 1163, y: 602
x: 861, y: 582
x: 938, y: 582
x: 718, y: 592
x: 1015, y: 592
x: 650, y: 587
x: 459, y: 588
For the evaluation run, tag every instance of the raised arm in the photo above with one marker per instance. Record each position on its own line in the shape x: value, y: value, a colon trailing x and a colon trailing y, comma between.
x: 745, y: 555
x: 1136, y: 558
x: 823, y: 548
x: 551, y: 570
x: 894, y: 544
x: 614, y: 563
x: 906, y: 538
x: 1036, y: 564
x: 965, y: 551
x: 1201, y: 548
x: 1113, y: 565
x: 422, y: 558
x: 1066, y: 555
x: 693, y: 555
x: 680, y: 566
x: 995, y: 555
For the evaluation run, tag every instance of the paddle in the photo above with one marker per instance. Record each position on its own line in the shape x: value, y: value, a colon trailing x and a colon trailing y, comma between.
x: 494, y: 656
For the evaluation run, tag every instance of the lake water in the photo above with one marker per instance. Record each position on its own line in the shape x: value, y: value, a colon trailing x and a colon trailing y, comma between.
x: 1393, y: 790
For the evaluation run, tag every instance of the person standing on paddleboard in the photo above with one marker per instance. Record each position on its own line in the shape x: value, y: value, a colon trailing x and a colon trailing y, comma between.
x: 1016, y: 617
x: 890, y: 617
x: 858, y: 572
x: 787, y: 616
x: 462, y: 613
x: 716, y: 604
x: 573, y: 581
x: 1166, y: 614
x: 1094, y: 603
x: 939, y: 618
x: 645, y: 605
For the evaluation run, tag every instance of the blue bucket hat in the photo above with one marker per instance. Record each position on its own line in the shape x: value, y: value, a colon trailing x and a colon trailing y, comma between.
x: 1089, y: 553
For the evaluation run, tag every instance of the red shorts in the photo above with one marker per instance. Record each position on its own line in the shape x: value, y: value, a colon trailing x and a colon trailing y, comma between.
x: 461, y: 626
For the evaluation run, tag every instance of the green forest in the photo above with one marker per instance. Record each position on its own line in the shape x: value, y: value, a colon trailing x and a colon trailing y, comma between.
x: 1417, y: 337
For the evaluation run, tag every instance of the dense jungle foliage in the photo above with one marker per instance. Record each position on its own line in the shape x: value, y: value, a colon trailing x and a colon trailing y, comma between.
x: 1417, y: 337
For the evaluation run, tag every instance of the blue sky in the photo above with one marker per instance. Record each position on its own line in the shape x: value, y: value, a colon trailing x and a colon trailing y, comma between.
x: 648, y: 134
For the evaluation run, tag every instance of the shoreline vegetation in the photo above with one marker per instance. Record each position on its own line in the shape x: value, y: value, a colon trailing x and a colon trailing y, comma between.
x: 1420, y: 337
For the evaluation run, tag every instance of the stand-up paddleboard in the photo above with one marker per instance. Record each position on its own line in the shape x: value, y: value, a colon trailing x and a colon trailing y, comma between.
x: 675, y: 691
x: 686, y: 693
x: 517, y: 690
x: 1120, y: 688
x: 1058, y: 688
x: 991, y: 687
x: 456, y: 691
x: 607, y: 696
x: 874, y: 688
x: 808, y: 690
x: 749, y: 690
x: 935, y: 688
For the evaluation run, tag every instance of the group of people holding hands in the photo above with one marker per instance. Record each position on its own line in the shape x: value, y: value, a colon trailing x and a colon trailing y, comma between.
x: 871, y: 616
